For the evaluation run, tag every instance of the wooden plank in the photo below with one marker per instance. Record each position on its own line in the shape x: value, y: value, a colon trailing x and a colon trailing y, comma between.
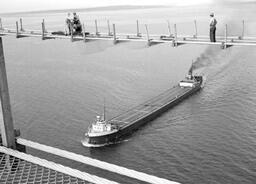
x: 44, y: 26
x: 230, y: 40
x: 96, y: 28
x: 148, y: 38
x: 6, y: 120
x: 21, y: 25
x: 226, y: 34
x: 84, y: 36
x: 43, y: 30
x: 114, y: 34
x: 195, y: 29
x: 1, y: 25
x: 169, y: 28
x: 151, y: 35
x: 198, y: 42
x: 242, y: 36
x: 138, y: 29
x: 109, y: 32
x: 17, y: 29
x: 175, y: 44
x: 72, y: 36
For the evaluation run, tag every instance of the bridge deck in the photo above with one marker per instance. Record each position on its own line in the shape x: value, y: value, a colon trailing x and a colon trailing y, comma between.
x: 17, y: 167
x: 15, y: 170
x: 150, y: 39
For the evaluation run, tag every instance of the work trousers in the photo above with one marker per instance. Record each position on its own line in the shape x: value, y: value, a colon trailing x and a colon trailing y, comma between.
x: 212, y: 34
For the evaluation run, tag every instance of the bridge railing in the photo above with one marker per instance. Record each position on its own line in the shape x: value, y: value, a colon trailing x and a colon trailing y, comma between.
x: 174, y: 38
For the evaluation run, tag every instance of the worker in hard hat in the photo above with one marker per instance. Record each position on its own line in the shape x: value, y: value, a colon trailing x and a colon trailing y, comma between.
x: 213, y: 23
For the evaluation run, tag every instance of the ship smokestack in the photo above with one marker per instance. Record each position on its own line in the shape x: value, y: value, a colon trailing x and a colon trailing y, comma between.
x: 190, y: 71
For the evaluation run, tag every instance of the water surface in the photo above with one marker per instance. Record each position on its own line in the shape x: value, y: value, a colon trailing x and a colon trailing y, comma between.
x: 57, y: 88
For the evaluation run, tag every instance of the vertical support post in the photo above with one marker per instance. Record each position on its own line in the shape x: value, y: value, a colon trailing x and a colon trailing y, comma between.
x: 169, y: 28
x: 84, y: 37
x: 6, y: 121
x: 21, y: 25
x: 226, y: 36
x: 1, y: 25
x: 195, y: 36
x: 175, y: 44
x: 149, y: 43
x: 96, y: 28
x: 17, y: 29
x: 242, y: 31
x: 114, y: 33
x: 44, y: 27
x: 71, y: 35
x: 109, y: 32
x: 43, y: 30
x: 224, y: 42
x: 138, y: 29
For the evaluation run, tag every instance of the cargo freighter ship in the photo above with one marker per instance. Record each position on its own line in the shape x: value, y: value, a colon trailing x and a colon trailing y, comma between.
x: 103, y: 132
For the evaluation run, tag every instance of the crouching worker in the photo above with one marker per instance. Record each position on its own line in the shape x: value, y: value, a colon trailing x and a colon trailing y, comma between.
x: 77, y: 24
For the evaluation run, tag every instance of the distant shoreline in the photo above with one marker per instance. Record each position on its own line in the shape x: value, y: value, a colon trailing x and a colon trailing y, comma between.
x: 102, y: 8
x: 118, y: 7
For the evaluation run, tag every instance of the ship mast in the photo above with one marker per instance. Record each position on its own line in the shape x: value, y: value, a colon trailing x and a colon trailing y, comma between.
x: 104, y: 111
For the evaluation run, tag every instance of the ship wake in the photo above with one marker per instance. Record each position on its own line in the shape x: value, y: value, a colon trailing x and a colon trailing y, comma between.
x: 86, y: 143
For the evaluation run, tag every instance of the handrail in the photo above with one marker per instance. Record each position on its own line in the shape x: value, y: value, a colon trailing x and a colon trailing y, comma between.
x: 96, y: 163
x: 180, y: 39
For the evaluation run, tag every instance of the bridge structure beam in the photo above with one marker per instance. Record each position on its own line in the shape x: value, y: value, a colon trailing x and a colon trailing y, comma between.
x: 6, y: 120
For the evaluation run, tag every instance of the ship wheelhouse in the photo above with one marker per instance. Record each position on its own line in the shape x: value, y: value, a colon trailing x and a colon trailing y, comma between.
x: 190, y: 80
x: 101, y: 127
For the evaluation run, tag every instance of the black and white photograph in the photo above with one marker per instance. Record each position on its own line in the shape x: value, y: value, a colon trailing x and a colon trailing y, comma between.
x: 128, y: 92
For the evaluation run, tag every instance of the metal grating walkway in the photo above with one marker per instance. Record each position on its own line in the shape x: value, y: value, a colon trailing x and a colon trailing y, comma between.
x: 15, y: 170
x: 18, y: 167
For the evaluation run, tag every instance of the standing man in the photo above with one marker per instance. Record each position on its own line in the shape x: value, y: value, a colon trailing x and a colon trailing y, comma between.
x: 68, y: 24
x: 213, y: 23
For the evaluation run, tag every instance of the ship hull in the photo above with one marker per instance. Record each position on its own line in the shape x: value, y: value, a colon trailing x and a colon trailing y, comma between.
x: 132, y: 126
x: 104, y: 139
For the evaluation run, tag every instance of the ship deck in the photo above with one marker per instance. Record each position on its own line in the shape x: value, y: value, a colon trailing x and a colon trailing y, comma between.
x: 145, y: 109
